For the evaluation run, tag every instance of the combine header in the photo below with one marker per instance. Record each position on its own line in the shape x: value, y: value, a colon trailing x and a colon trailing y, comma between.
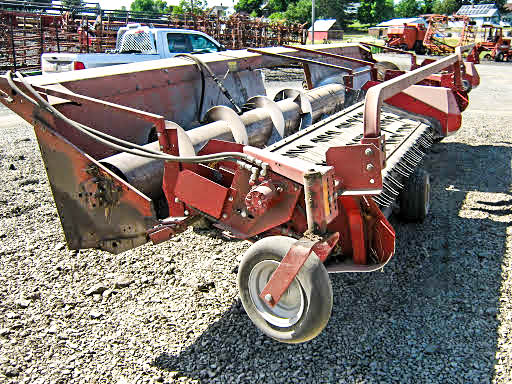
x: 310, y: 176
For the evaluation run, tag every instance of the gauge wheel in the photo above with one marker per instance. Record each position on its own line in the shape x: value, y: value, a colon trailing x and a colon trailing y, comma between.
x: 466, y: 85
x: 382, y: 67
x: 415, y: 197
x: 304, y: 309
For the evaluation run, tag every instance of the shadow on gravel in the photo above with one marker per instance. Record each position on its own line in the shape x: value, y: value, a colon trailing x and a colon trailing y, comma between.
x: 431, y: 316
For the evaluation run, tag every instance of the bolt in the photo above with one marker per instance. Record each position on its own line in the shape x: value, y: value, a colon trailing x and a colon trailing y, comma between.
x: 369, y: 167
x: 372, y: 181
x: 243, y: 214
x: 176, y: 200
x: 368, y: 152
x: 268, y: 297
x: 186, y: 213
x: 230, y: 198
x: 224, y: 215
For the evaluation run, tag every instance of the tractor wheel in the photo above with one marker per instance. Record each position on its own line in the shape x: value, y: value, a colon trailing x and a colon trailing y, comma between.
x: 304, y: 309
x: 419, y: 48
x: 415, y: 197
x: 500, y: 56
x: 488, y: 57
x: 382, y: 67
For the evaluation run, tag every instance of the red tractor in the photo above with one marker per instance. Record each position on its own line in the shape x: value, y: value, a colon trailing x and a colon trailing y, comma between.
x: 493, y: 42
x: 407, y: 37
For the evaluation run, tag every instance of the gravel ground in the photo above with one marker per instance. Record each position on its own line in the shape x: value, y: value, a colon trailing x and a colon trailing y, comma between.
x: 441, y: 311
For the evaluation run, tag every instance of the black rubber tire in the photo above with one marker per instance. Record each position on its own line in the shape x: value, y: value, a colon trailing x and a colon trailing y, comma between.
x: 419, y: 48
x: 487, y: 57
x: 382, y: 67
x: 509, y: 58
x: 467, y: 86
x: 415, y: 197
x: 313, y: 279
x: 499, y: 57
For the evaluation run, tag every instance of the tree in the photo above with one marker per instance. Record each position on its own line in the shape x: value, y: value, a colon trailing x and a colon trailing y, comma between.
x: 428, y: 6
x: 299, y: 12
x: 332, y: 9
x: 375, y: 11
x: 149, y: 6
x: 407, y: 8
x: 249, y: 6
x: 185, y: 7
x: 446, y: 7
x: 72, y: 3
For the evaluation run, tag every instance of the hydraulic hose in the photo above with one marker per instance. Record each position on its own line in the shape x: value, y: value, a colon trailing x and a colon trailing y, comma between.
x: 122, y: 145
x: 219, y: 83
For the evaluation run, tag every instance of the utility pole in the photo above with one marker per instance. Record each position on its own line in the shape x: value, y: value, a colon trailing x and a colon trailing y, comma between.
x: 313, y: 21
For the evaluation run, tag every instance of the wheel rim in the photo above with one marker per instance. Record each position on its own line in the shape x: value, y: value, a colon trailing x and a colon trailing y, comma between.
x: 290, y: 307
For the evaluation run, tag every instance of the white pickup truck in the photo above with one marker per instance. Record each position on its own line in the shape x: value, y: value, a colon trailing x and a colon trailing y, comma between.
x: 134, y: 43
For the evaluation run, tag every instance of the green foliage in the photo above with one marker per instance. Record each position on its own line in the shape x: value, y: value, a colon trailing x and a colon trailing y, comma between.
x: 428, y: 6
x: 375, y: 11
x: 185, y: 7
x: 249, y: 6
x: 446, y: 7
x: 407, y: 8
x: 332, y: 9
x: 149, y: 6
x: 72, y: 3
x: 299, y: 12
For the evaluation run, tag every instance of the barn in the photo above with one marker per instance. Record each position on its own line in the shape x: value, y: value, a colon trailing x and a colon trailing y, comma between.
x: 326, y: 30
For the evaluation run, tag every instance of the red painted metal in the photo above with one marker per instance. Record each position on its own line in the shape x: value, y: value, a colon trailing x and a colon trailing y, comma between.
x: 200, y: 193
x: 291, y: 264
x: 357, y: 167
x: 352, y: 207
x: 261, y: 198
x: 433, y: 102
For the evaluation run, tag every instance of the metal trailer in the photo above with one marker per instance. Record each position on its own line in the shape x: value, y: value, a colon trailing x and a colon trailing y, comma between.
x: 310, y: 177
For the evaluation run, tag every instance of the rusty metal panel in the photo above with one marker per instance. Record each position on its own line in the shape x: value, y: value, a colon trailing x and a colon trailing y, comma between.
x: 200, y: 193
x: 96, y: 208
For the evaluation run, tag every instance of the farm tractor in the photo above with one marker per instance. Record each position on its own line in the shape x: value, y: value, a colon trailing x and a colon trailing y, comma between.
x: 497, y: 48
x: 138, y: 153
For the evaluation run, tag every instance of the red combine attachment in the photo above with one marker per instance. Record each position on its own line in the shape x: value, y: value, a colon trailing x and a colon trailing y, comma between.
x: 435, y: 41
x: 407, y: 37
x: 309, y: 176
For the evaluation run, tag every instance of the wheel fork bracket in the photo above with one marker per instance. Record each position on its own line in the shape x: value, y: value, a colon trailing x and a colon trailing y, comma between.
x: 293, y: 262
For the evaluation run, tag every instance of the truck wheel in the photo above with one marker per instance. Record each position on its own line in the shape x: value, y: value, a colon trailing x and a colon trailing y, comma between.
x: 382, y: 67
x: 499, y: 57
x: 415, y: 197
x: 304, y: 309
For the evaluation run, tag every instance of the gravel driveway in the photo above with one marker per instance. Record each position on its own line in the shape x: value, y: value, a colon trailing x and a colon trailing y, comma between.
x: 440, y: 312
